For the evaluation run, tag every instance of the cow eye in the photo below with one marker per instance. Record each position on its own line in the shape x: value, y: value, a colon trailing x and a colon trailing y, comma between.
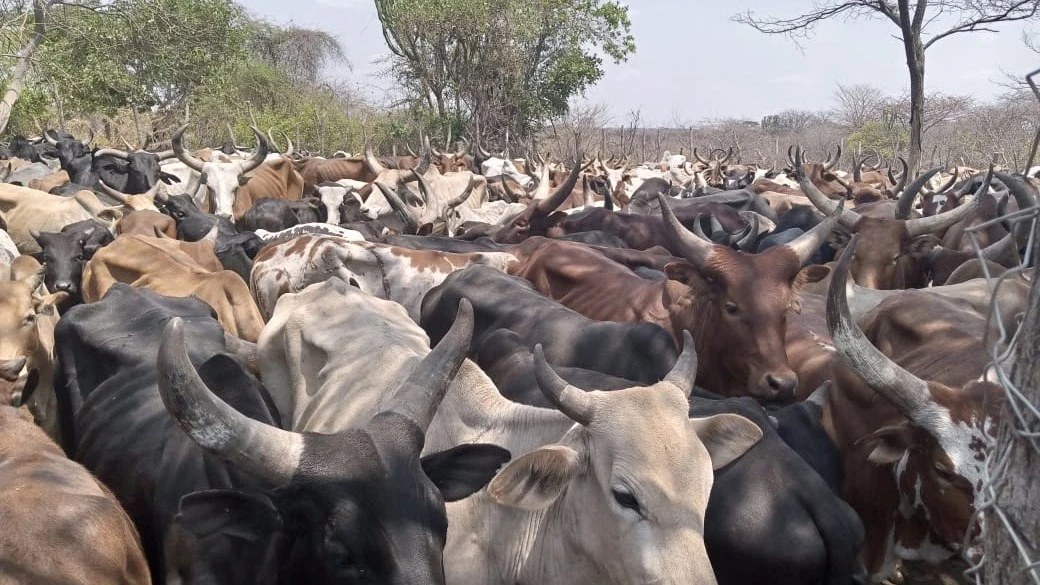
x: 625, y: 499
x: 731, y: 308
x: 943, y: 471
x: 29, y: 319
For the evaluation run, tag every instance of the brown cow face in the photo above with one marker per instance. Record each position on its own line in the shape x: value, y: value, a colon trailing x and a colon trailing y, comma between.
x: 940, y: 480
x: 887, y: 258
x: 738, y: 306
x: 19, y: 340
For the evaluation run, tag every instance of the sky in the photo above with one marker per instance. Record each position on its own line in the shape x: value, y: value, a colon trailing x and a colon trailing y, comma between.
x: 693, y: 63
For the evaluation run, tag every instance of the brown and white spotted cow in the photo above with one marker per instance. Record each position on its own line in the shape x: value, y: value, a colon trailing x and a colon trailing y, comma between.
x: 397, y: 274
x: 913, y: 415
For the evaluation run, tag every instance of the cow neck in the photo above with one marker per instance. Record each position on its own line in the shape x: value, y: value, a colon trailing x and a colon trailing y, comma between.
x: 681, y: 302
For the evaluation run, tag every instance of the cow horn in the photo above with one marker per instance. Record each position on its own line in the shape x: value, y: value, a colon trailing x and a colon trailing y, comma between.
x: 684, y: 372
x: 699, y: 158
x: 424, y: 187
x: 857, y: 171
x: 181, y: 153
x: 1019, y: 190
x: 464, y: 195
x: 572, y: 401
x: 117, y: 195
x: 949, y: 183
x: 424, y: 160
x: 726, y: 158
x: 419, y: 396
x: 688, y: 245
x: 112, y: 152
x: 194, y: 183
x: 482, y: 152
x: 698, y: 228
x: 898, y: 185
x: 805, y: 245
x: 262, y: 450
x: 908, y: 392
x: 828, y: 164
x: 261, y: 152
x: 942, y: 221
x: 408, y: 149
x: 49, y: 139
x: 848, y: 219
x: 586, y: 192
x: 289, y: 148
x: 907, y: 197
x: 87, y: 142
x: 411, y: 222
x: 556, y: 199
x: 370, y: 159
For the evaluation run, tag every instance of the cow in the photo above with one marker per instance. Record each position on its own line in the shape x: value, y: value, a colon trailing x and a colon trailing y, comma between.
x: 498, y: 167
x: 75, y: 156
x: 30, y: 173
x: 222, y: 179
x: 481, y: 533
x: 342, y: 199
x: 8, y: 251
x: 274, y: 179
x: 718, y: 294
x: 425, y: 207
x: 47, y: 182
x: 27, y: 320
x: 895, y: 248
x: 294, y: 505
x: 61, y: 524
x: 302, y: 229
x: 149, y: 262
x: 273, y: 214
x: 64, y: 254
x: 387, y: 272
x: 145, y: 222
x: 138, y: 173
x: 642, y: 352
x: 913, y: 415
x: 27, y: 209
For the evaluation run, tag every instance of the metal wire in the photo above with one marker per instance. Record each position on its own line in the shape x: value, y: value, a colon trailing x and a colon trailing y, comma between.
x: 1025, y: 415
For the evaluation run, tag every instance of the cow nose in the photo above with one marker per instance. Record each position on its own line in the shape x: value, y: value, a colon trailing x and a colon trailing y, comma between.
x: 782, y: 386
x: 64, y: 285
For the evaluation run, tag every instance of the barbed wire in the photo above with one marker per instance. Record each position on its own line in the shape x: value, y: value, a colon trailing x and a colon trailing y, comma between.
x: 1025, y: 414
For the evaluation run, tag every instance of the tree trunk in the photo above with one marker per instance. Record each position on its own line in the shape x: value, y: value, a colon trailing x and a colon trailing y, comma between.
x: 1019, y: 491
x: 915, y: 63
x: 16, y: 83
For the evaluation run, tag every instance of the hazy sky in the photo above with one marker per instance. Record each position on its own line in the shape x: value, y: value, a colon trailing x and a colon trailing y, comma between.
x: 692, y: 62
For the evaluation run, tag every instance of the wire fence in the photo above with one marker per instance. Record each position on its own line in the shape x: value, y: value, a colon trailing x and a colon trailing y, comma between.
x: 1026, y: 415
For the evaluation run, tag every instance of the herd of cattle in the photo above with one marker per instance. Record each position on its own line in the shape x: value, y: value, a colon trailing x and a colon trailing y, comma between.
x: 252, y: 367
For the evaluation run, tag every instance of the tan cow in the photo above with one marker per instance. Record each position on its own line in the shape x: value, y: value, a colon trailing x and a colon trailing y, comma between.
x: 160, y: 265
x: 48, y: 182
x: 27, y: 320
x: 27, y: 209
x: 145, y: 223
x: 61, y: 525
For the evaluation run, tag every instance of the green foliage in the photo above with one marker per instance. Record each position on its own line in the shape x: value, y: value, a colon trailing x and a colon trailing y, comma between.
x: 886, y: 140
x: 494, y: 66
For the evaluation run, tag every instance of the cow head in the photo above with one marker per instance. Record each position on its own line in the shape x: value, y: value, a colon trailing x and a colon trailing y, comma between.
x: 615, y: 459
x: 495, y: 166
x: 65, y: 252
x: 23, y: 314
x: 539, y: 217
x: 896, y: 248
x: 222, y: 179
x: 141, y: 169
x: 938, y: 454
x: 737, y: 304
x: 357, y: 506
x: 342, y: 201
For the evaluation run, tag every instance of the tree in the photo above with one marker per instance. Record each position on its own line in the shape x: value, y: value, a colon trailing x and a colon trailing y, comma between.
x: 500, y: 66
x: 945, y: 18
x: 857, y: 104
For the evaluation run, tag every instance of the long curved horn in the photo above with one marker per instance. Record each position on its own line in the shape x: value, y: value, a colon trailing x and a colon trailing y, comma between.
x: 691, y: 247
x: 570, y: 400
x: 684, y: 372
x: 370, y: 159
x: 424, y: 187
x: 112, y: 152
x: 91, y: 138
x: 463, y: 196
x: 181, y: 153
x: 857, y: 171
x: 506, y: 193
x: 194, y: 183
x: 252, y: 446
x: 726, y: 158
x: 897, y: 186
x: 949, y: 184
x: 419, y: 396
x: 698, y: 229
x: 906, y: 199
x: 50, y: 140
x: 942, y: 221
x: 805, y: 245
x: 482, y: 152
x: 1022, y: 193
x: 829, y: 164
x: 289, y: 145
x: 586, y: 192
x: 908, y: 392
x: 410, y: 220
x: 424, y: 160
x: 261, y: 152
x: 117, y: 195
x: 848, y: 219
x: 556, y: 199
x: 699, y: 158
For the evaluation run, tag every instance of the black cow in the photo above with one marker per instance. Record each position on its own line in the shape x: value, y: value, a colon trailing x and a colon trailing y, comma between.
x: 637, y: 351
x: 234, y: 250
x: 21, y: 147
x: 75, y: 157
x: 771, y: 517
x: 132, y: 172
x: 64, y: 254
x: 221, y: 495
x: 275, y: 215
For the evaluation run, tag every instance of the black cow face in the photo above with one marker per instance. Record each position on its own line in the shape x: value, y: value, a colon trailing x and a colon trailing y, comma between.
x: 64, y: 254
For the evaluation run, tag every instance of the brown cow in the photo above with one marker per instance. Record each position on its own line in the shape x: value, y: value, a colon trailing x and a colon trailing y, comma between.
x: 48, y: 182
x: 274, y: 178
x: 912, y: 414
x: 61, y: 525
x: 894, y: 249
x: 160, y: 265
x: 145, y: 223
x: 27, y: 320
x: 735, y: 304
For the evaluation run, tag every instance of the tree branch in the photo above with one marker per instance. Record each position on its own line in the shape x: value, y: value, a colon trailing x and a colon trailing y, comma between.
x: 1017, y: 10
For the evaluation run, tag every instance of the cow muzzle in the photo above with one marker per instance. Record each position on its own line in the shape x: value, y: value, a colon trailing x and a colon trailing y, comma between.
x: 778, y: 386
x: 11, y: 369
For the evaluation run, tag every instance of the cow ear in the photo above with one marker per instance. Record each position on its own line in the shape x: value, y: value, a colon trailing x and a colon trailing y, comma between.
x: 47, y: 304
x: 890, y: 443
x: 534, y: 481
x: 110, y: 213
x: 726, y: 436
x: 838, y: 237
x: 922, y: 246
x: 812, y: 273
x: 168, y: 178
x: 688, y: 275
x: 462, y: 471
